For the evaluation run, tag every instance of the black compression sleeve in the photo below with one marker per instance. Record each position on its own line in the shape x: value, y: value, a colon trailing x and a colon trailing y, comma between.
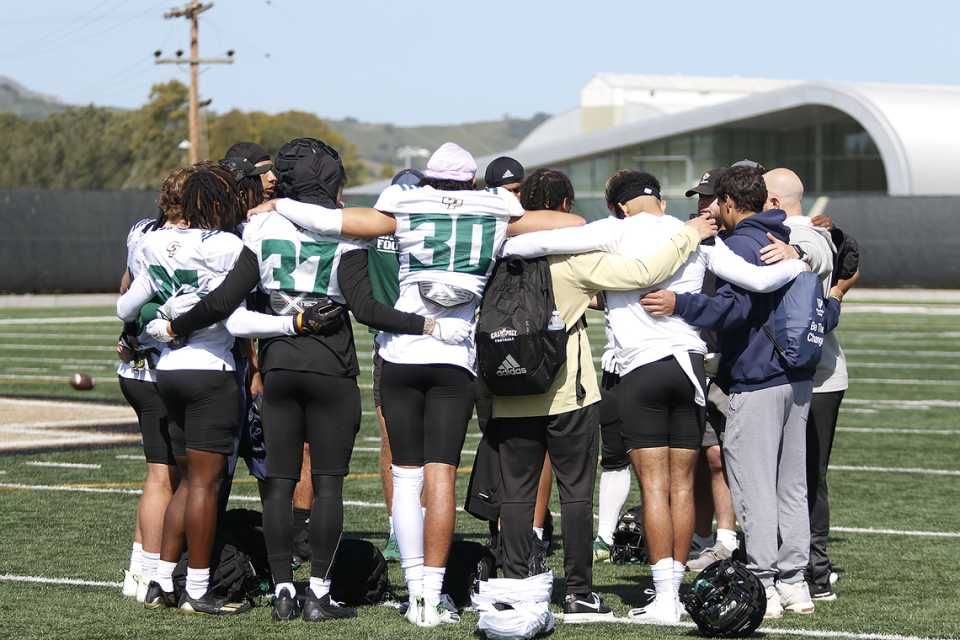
x: 357, y: 290
x: 223, y: 300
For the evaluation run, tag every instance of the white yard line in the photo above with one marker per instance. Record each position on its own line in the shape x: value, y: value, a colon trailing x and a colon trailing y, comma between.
x: 936, y: 472
x: 935, y: 432
x: 60, y: 320
x: 65, y: 465
x: 903, y: 381
x: 41, y: 579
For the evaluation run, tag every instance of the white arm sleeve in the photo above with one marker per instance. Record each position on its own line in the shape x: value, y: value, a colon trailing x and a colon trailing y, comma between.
x: 591, y: 237
x: 732, y: 268
x: 244, y: 323
x: 139, y: 293
x: 312, y: 217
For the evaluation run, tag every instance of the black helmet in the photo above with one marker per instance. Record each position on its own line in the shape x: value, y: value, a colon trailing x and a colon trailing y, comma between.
x: 727, y: 600
x: 292, y: 151
x: 629, y: 544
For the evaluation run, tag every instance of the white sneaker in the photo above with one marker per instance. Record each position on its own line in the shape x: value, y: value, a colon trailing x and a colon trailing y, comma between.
x: 663, y: 609
x: 795, y: 597
x: 142, y: 586
x: 433, y: 615
x: 412, y: 614
x: 708, y: 556
x: 130, y: 582
x: 774, y: 608
x: 696, y: 548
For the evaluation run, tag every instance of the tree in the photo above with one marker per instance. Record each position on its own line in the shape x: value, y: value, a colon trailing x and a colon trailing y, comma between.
x: 272, y: 132
x: 159, y: 128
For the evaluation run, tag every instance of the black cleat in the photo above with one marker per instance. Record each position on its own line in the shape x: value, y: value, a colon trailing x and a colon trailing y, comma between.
x: 285, y: 607
x: 210, y: 605
x: 587, y: 609
x: 157, y: 598
x: 320, y: 609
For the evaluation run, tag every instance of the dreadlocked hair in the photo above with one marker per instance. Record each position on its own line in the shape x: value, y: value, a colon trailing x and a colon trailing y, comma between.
x: 170, y: 200
x: 447, y: 185
x: 546, y: 189
x: 251, y: 194
x: 210, y: 199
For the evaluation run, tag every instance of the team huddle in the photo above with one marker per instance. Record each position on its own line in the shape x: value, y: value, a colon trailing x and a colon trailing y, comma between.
x: 253, y: 249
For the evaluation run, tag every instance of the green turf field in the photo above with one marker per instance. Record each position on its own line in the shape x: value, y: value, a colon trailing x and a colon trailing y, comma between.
x: 894, y: 487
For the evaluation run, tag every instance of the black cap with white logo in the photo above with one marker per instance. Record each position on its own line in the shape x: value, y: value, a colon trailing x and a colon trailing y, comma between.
x: 503, y: 171
x: 705, y: 186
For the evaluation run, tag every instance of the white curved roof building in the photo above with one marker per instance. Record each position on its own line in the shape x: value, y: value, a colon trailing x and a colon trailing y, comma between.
x: 840, y: 137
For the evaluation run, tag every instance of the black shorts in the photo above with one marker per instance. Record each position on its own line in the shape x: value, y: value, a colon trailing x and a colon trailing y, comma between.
x: 613, y: 453
x: 658, y: 406
x: 202, y: 409
x: 301, y: 406
x: 152, y: 416
x: 427, y: 408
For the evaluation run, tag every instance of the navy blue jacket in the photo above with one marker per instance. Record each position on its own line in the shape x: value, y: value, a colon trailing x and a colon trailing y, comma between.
x: 747, y: 358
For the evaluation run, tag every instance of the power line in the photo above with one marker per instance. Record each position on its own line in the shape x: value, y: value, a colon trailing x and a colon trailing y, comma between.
x: 191, y: 12
x: 18, y: 53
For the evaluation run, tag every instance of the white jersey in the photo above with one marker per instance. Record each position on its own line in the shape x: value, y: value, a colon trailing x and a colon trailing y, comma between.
x: 640, y: 337
x: 134, y: 265
x: 137, y: 231
x: 293, y: 259
x: 188, y: 261
x: 448, y: 237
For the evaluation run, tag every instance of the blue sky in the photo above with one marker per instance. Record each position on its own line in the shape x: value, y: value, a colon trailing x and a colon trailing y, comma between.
x: 453, y: 62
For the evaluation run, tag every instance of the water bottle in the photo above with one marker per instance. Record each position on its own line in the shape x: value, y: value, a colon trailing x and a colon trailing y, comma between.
x: 556, y: 322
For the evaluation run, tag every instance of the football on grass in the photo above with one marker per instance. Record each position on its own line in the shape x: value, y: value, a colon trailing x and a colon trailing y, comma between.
x: 82, y: 381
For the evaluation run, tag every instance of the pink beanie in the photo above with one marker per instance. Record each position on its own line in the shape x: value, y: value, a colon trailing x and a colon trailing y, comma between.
x: 451, y: 162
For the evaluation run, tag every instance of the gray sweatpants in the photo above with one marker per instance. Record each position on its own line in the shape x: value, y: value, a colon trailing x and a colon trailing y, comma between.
x: 765, y: 451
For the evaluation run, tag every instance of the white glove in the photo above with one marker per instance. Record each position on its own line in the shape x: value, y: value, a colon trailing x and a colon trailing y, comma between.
x: 178, y: 305
x: 452, y: 330
x: 608, y: 361
x: 158, y: 330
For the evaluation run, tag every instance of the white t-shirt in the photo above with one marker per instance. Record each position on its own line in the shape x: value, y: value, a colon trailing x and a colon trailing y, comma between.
x: 448, y: 237
x: 187, y: 261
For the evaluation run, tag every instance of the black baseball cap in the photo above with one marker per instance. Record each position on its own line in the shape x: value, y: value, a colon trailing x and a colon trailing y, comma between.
x: 242, y: 168
x: 705, y: 186
x: 503, y: 171
x: 749, y: 164
x: 249, y: 151
x: 407, y: 176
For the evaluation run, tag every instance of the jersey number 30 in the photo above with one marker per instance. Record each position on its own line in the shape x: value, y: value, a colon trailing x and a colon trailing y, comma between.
x: 473, y: 240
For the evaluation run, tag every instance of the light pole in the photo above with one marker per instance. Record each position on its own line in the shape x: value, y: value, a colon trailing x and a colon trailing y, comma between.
x: 409, y: 152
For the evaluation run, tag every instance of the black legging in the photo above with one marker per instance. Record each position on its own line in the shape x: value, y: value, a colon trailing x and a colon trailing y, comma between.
x: 324, y: 411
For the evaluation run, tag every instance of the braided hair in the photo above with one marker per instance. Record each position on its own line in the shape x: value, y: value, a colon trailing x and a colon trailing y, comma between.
x: 210, y: 199
x: 546, y: 189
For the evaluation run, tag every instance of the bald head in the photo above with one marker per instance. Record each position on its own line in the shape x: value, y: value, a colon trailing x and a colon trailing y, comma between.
x: 784, y: 191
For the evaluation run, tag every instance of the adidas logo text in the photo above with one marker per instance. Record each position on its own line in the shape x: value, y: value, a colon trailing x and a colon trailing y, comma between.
x: 510, y: 367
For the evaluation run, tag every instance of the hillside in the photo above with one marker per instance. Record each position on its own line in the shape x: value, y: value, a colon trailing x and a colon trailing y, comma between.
x: 377, y: 144
x: 17, y: 99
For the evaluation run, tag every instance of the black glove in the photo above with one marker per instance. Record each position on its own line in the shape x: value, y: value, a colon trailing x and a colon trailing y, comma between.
x: 322, y: 320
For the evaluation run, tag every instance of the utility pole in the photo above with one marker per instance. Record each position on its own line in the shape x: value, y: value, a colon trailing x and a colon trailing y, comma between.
x: 191, y: 11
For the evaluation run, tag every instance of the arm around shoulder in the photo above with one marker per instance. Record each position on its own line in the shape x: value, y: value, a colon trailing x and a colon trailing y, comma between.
x: 543, y: 221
